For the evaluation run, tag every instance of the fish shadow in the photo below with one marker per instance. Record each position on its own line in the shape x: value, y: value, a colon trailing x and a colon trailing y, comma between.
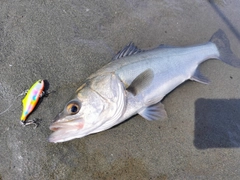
x: 217, y: 123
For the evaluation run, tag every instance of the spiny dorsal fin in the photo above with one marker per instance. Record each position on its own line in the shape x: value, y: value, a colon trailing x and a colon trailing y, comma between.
x: 141, y: 81
x: 128, y: 50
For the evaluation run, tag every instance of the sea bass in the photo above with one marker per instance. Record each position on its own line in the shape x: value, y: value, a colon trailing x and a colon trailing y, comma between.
x: 135, y: 82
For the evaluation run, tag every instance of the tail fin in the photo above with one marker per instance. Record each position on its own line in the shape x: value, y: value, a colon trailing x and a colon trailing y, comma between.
x: 220, y: 39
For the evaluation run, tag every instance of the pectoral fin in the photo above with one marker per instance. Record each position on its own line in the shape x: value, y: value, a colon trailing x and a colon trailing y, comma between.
x: 154, y: 112
x: 142, y: 81
x: 197, y: 76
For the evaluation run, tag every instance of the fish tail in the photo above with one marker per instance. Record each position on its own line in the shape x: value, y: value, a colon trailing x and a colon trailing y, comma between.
x: 220, y: 39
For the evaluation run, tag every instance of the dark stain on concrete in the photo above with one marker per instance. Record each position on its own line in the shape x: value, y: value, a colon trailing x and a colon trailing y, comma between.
x: 122, y: 168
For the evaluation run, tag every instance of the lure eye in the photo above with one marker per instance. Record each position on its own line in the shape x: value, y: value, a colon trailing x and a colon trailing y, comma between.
x: 73, y: 108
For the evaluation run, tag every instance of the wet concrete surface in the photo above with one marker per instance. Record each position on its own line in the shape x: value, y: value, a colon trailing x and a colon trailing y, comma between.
x: 65, y: 41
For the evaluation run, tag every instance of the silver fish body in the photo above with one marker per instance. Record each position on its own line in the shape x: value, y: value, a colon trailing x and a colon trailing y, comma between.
x: 135, y: 82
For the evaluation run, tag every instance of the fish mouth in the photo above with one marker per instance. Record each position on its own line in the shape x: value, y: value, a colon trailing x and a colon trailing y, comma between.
x: 61, y: 121
x: 64, y: 131
x: 73, y: 124
x: 56, y: 126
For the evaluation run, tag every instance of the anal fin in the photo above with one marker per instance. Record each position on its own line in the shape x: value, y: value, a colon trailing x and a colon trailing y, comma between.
x: 197, y: 76
x: 154, y: 112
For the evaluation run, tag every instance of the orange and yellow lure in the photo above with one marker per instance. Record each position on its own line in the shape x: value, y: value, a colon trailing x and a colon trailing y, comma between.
x: 30, y: 101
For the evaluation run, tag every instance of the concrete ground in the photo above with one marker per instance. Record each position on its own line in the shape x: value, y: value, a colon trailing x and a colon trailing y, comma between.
x: 65, y: 41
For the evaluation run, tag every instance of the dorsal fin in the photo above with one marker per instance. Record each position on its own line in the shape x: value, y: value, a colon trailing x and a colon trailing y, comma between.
x: 128, y: 50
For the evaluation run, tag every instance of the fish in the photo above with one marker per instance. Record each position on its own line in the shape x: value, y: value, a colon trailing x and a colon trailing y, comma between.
x: 30, y: 101
x: 135, y: 82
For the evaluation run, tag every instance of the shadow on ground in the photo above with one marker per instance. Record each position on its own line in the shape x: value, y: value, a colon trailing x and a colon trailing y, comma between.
x: 217, y: 123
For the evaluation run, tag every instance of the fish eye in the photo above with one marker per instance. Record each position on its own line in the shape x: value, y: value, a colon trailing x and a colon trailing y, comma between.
x: 73, y: 108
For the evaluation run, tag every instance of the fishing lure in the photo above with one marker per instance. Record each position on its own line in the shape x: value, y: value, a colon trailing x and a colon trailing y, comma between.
x: 30, y: 101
